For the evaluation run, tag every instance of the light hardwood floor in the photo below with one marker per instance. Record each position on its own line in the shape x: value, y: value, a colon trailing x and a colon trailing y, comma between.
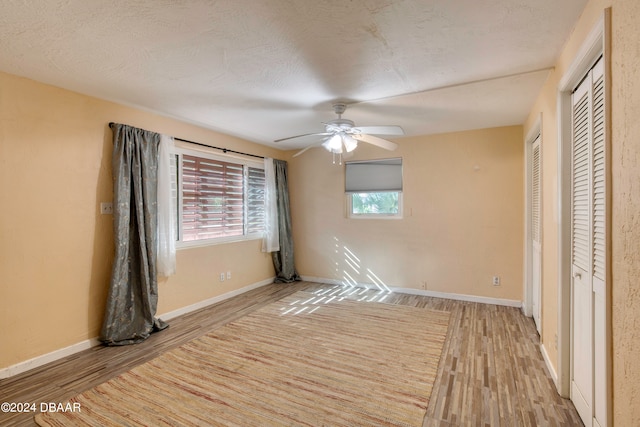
x: 491, y: 372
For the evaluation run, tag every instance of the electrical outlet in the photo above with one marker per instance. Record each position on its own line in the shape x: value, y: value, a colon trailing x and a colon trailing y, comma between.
x: 228, y: 275
x: 106, y: 208
x: 222, y: 277
x: 496, y: 280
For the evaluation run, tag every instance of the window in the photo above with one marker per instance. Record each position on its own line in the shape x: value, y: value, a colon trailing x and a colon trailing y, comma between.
x: 219, y: 199
x: 386, y: 203
x: 374, y: 188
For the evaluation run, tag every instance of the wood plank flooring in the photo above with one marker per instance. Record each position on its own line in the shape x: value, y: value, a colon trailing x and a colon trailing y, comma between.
x: 491, y: 372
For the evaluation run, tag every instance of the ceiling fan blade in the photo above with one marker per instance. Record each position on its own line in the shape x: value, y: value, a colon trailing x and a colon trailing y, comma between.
x: 380, y: 130
x: 374, y: 140
x: 300, y: 136
x: 305, y: 149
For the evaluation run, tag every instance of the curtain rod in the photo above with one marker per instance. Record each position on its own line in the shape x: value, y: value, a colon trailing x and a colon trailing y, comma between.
x: 224, y: 150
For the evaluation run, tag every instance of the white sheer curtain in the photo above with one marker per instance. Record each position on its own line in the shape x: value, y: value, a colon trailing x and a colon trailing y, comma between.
x: 271, y: 240
x: 166, y: 210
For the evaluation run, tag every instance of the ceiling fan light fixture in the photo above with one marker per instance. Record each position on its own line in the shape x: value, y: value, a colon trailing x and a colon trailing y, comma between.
x: 342, y: 136
x: 333, y: 143
x: 350, y: 143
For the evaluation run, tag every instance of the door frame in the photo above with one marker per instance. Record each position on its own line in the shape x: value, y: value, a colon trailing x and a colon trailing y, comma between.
x: 534, y: 132
x: 597, y: 43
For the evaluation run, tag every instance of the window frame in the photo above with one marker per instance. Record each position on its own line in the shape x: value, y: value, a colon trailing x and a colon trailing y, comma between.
x: 358, y: 185
x: 353, y: 215
x: 179, y: 152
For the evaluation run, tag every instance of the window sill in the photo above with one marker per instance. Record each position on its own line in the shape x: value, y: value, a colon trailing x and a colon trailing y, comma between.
x: 368, y: 216
x: 215, y: 242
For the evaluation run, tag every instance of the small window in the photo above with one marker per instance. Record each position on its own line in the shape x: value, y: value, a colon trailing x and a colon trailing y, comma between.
x: 374, y: 188
x: 218, y: 199
x: 376, y: 205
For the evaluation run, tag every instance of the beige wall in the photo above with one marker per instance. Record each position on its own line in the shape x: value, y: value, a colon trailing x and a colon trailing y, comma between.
x: 626, y: 211
x: 463, y: 216
x: 546, y: 105
x: 55, y: 248
x: 625, y: 174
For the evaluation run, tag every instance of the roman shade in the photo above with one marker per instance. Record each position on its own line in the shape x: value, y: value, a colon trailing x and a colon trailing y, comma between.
x: 368, y: 176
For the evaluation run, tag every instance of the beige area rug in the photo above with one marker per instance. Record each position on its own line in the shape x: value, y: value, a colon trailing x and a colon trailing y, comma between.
x: 307, y: 360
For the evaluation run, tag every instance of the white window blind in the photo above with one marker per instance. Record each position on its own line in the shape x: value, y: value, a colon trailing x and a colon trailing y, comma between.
x: 174, y: 159
x: 373, y: 176
x: 255, y: 200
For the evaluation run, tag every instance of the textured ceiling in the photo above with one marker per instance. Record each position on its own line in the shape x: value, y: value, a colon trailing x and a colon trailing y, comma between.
x: 268, y: 69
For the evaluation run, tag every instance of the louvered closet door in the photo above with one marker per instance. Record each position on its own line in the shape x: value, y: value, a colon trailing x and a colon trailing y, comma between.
x: 588, y: 376
x: 582, y: 367
x: 536, y: 247
x: 599, y: 245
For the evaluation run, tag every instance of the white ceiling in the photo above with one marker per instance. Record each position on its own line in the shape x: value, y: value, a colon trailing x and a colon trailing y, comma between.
x: 268, y: 69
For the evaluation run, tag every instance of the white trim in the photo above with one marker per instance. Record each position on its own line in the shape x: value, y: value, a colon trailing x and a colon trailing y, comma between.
x: 564, y: 244
x: 413, y: 291
x: 589, y: 52
x: 547, y: 361
x: 205, y: 303
x: 460, y: 297
x: 592, y: 48
x: 212, y: 154
x: 535, y: 130
x: 38, y: 361
x: 190, y: 244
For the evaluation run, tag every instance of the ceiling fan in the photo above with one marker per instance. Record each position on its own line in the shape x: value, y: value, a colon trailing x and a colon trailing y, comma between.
x: 342, y: 135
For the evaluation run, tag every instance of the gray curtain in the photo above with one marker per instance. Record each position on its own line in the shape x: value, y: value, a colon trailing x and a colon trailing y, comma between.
x: 283, y: 259
x: 133, y: 294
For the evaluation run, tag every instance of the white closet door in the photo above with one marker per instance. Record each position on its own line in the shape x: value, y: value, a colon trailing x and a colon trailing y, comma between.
x: 536, y: 257
x: 582, y: 366
x: 599, y: 245
x: 589, y: 250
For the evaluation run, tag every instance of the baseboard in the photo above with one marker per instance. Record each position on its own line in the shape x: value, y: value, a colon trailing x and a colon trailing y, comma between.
x: 38, y: 361
x: 461, y: 297
x: 21, y: 367
x: 547, y: 361
x: 202, y: 304
x: 412, y: 291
